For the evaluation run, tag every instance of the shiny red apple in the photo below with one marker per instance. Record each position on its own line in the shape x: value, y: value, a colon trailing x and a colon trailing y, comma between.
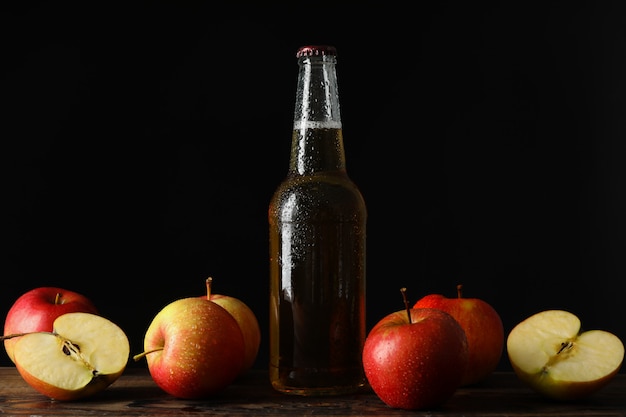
x: 37, y: 309
x: 483, y: 327
x: 415, y: 358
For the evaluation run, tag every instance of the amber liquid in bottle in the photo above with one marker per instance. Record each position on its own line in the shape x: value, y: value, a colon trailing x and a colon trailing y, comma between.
x: 317, y: 268
x: 317, y: 220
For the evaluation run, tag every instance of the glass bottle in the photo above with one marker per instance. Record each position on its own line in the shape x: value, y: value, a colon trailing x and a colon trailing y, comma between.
x: 317, y: 220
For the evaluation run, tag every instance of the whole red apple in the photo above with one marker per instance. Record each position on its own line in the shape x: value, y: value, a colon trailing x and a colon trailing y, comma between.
x: 194, y: 348
x: 415, y: 358
x: 483, y: 327
x: 37, y: 309
x: 245, y: 318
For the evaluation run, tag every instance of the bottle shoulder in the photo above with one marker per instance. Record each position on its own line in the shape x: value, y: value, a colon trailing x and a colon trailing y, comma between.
x: 330, y: 194
x: 338, y: 183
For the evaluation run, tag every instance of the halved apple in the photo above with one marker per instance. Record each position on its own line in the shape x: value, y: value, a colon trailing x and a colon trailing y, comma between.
x: 83, y: 355
x: 550, y: 354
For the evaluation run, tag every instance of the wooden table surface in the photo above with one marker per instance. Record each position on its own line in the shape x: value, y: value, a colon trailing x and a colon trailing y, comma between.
x: 135, y: 394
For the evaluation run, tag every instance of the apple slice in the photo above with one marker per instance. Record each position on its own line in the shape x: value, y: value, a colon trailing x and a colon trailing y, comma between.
x: 84, y: 354
x: 549, y: 352
x: 35, y: 311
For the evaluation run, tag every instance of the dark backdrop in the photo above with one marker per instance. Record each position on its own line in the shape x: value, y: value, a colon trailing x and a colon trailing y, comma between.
x: 142, y: 142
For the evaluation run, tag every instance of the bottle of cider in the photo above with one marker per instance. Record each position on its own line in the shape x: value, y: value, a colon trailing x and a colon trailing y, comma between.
x: 317, y: 219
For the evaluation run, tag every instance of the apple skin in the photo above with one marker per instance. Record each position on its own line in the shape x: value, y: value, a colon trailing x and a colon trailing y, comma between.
x: 59, y: 394
x: 415, y: 364
x: 194, y: 348
x: 36, y: 310
x: 483, y: 327
x: 553, y: 389
x: 248, y: 324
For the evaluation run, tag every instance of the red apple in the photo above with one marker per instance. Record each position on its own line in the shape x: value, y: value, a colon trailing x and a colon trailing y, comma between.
x: 245, y: 318
x: 483, y: 327
x: 415, y: 358
x: 194, y: 348
x: 36, y: 310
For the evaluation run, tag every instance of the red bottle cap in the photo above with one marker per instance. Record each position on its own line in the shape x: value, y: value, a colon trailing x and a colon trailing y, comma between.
x: 314, y: 50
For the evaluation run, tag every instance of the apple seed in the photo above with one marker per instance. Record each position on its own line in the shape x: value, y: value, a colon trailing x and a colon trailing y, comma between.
x: 565, y: 345
x: 73, y: 350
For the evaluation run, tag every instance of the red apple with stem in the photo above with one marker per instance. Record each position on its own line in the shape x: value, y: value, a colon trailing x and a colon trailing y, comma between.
x: 194, y: 348
x: 415, y: 358
x: 37, y: 309
x: 482, y: 325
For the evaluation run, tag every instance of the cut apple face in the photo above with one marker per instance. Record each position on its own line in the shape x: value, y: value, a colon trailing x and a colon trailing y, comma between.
x: 549, y: 353
x: 83, y: 355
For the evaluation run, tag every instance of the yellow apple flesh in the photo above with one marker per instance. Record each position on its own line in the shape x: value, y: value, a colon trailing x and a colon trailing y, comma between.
x: 550, y: 354
x: 83, y: 355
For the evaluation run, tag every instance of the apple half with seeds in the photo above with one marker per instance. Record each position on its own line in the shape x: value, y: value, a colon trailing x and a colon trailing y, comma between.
x: 83, y: 355
x: 549, y: 352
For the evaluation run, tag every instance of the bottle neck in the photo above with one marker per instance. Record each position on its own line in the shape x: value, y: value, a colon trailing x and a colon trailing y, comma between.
x: 317, y: 95
x: 317, y: 143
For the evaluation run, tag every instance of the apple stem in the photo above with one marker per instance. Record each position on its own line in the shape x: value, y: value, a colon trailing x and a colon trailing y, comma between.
x: 57, y: 299
x: 209, y: 281
x: 142, y: 354
x: 459, y: 290
x: 406, y: 303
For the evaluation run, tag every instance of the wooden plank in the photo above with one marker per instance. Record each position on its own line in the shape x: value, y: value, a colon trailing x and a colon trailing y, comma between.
x: 135, y: 394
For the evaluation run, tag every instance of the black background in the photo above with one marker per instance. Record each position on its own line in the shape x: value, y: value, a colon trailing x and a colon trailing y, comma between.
x: 142, y: 142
